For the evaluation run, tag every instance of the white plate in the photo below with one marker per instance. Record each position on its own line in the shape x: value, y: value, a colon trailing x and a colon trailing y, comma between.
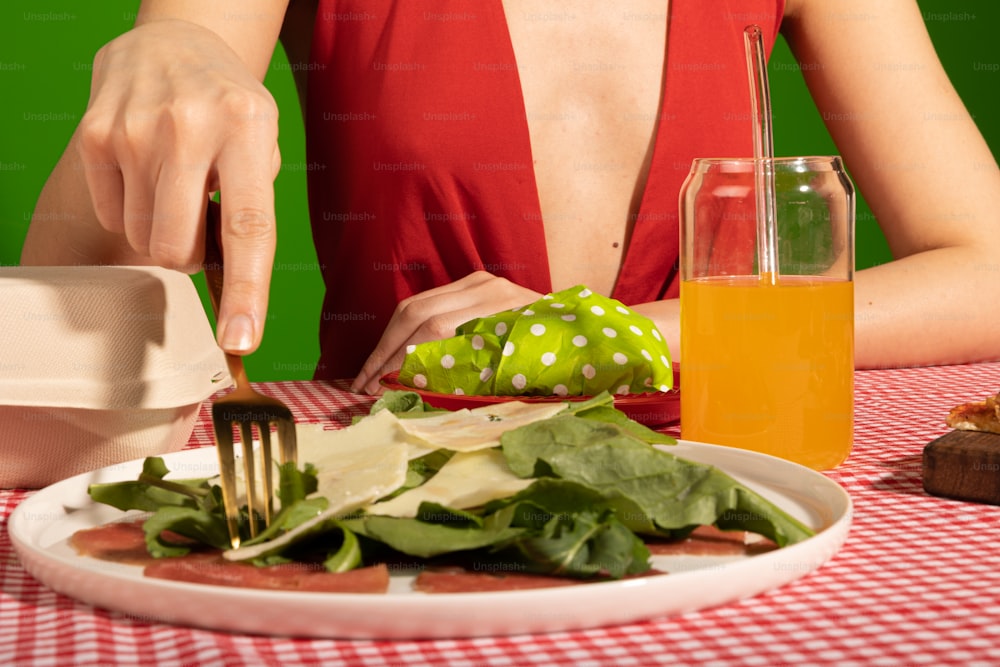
x: 40, y: 526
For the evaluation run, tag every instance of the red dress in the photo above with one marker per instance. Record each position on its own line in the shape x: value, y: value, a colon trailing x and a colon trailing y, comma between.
x: 420, y: 162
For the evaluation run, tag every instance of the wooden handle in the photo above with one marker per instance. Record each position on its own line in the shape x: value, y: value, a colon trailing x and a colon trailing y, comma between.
x: 213, y: 256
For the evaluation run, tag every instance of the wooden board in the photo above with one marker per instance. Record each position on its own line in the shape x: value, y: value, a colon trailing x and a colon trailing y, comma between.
x: 964, y: 465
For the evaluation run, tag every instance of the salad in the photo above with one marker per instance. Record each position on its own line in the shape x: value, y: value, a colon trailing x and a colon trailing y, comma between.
x: 572, y: 490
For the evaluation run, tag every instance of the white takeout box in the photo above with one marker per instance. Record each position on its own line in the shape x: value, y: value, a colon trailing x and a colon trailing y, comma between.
x: 99, y: 365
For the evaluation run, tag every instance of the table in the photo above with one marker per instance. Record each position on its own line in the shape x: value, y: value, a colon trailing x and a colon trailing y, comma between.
x: 917, y: 582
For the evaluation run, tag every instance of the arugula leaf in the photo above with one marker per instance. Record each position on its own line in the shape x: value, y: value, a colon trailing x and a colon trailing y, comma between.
x: 611, y: 415
x: 583, y: 544
x: 421, y: 469
x: 290, y: 517
x: 425, y: 539
x: 192, y: 522
x: 294, y: 484
x: 601, y: 400
x: 673, y: 494
x: 564, y: 539
x: 151, y: 491
x: 602, y: 408
x: 330, y: 542
x: 348, y: 556
x: 403, y: 404
x: 399, y: 402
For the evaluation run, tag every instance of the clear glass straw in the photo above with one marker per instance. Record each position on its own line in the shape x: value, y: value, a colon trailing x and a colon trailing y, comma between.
x: 763, y: 152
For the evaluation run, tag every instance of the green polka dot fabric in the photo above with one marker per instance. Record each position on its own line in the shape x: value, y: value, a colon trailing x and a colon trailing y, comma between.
x: 569, y: 343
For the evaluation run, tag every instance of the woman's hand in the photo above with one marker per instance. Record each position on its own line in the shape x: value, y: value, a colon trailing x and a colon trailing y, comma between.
x: 176, y: 114
x: 176, y: 111
x: 435, y: 314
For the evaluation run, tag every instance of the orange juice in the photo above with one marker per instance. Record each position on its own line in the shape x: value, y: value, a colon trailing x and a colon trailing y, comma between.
x: 769, y: 367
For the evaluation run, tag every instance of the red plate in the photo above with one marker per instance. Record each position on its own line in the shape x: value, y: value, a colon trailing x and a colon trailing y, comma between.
x: 653, y: 409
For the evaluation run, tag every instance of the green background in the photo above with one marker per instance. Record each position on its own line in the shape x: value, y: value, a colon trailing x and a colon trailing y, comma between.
x: 46, y: 51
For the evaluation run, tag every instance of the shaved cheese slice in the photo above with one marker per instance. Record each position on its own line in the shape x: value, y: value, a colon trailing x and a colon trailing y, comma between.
x: 480, y: 428
x: 359, y: 463
x: 355, y: 466
x: 469, y: 479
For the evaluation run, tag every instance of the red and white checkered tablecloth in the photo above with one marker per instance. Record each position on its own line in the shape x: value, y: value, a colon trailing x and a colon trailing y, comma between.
x: 918, y: 581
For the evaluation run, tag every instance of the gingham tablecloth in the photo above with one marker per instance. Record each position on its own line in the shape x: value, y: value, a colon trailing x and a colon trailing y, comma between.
x: 918, y: 581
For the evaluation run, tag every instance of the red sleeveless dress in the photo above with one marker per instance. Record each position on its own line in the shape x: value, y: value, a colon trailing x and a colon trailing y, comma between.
x: 420, y: 162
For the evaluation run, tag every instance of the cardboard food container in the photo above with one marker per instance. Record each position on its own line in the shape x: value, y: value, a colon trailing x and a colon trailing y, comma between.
x: 99, y: 365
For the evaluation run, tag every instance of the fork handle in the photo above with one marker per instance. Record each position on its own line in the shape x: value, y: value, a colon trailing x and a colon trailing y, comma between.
x: 213, y: 278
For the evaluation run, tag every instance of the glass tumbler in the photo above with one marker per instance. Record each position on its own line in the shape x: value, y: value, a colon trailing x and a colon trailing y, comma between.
x: 767, y: 358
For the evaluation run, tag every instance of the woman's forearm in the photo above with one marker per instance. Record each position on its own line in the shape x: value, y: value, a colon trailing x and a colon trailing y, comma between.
x: 936, y: 307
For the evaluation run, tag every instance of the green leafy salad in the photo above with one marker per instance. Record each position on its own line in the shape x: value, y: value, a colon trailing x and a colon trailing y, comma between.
x: 572, y: 489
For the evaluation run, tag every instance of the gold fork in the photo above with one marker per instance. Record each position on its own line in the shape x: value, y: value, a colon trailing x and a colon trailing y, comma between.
x: 247, y: 410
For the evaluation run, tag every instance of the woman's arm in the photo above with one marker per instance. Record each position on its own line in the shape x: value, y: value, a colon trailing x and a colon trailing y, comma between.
x: 177, y: 110
x: 926, y: 172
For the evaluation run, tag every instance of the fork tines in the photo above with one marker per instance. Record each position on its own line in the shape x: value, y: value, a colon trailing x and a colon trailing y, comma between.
x: 251, y: 422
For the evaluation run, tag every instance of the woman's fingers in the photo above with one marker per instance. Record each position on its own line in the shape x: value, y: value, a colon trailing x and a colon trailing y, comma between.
x: 434, y: 315
x: 137, y: 208
x: 427, y: 311
x: 176, y: 239
x: 408, y: 317
x: 246, y: 171
x: 102, y: 172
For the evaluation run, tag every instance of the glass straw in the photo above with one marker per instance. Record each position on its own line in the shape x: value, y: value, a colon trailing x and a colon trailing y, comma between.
x: 763, y: 152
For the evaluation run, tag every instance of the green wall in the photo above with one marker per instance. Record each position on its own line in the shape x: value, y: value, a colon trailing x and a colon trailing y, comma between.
x: 46, y: 50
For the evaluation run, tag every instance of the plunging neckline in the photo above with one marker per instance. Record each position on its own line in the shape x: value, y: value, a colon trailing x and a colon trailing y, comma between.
x: 401, y: 202
x: 640, y: 213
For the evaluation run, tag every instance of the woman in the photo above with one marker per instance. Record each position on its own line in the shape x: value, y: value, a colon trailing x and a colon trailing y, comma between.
x: 472, y: 155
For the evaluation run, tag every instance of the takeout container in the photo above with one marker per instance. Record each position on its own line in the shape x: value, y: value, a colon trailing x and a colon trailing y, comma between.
x: 99, y: 365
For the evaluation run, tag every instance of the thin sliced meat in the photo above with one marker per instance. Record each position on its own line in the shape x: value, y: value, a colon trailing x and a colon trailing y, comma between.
x: 710, y: 541
x: 301, y: 577
x: 121, y: 542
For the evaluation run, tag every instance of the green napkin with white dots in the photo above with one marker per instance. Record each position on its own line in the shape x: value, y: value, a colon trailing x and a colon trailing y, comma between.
x: 569, y: 343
